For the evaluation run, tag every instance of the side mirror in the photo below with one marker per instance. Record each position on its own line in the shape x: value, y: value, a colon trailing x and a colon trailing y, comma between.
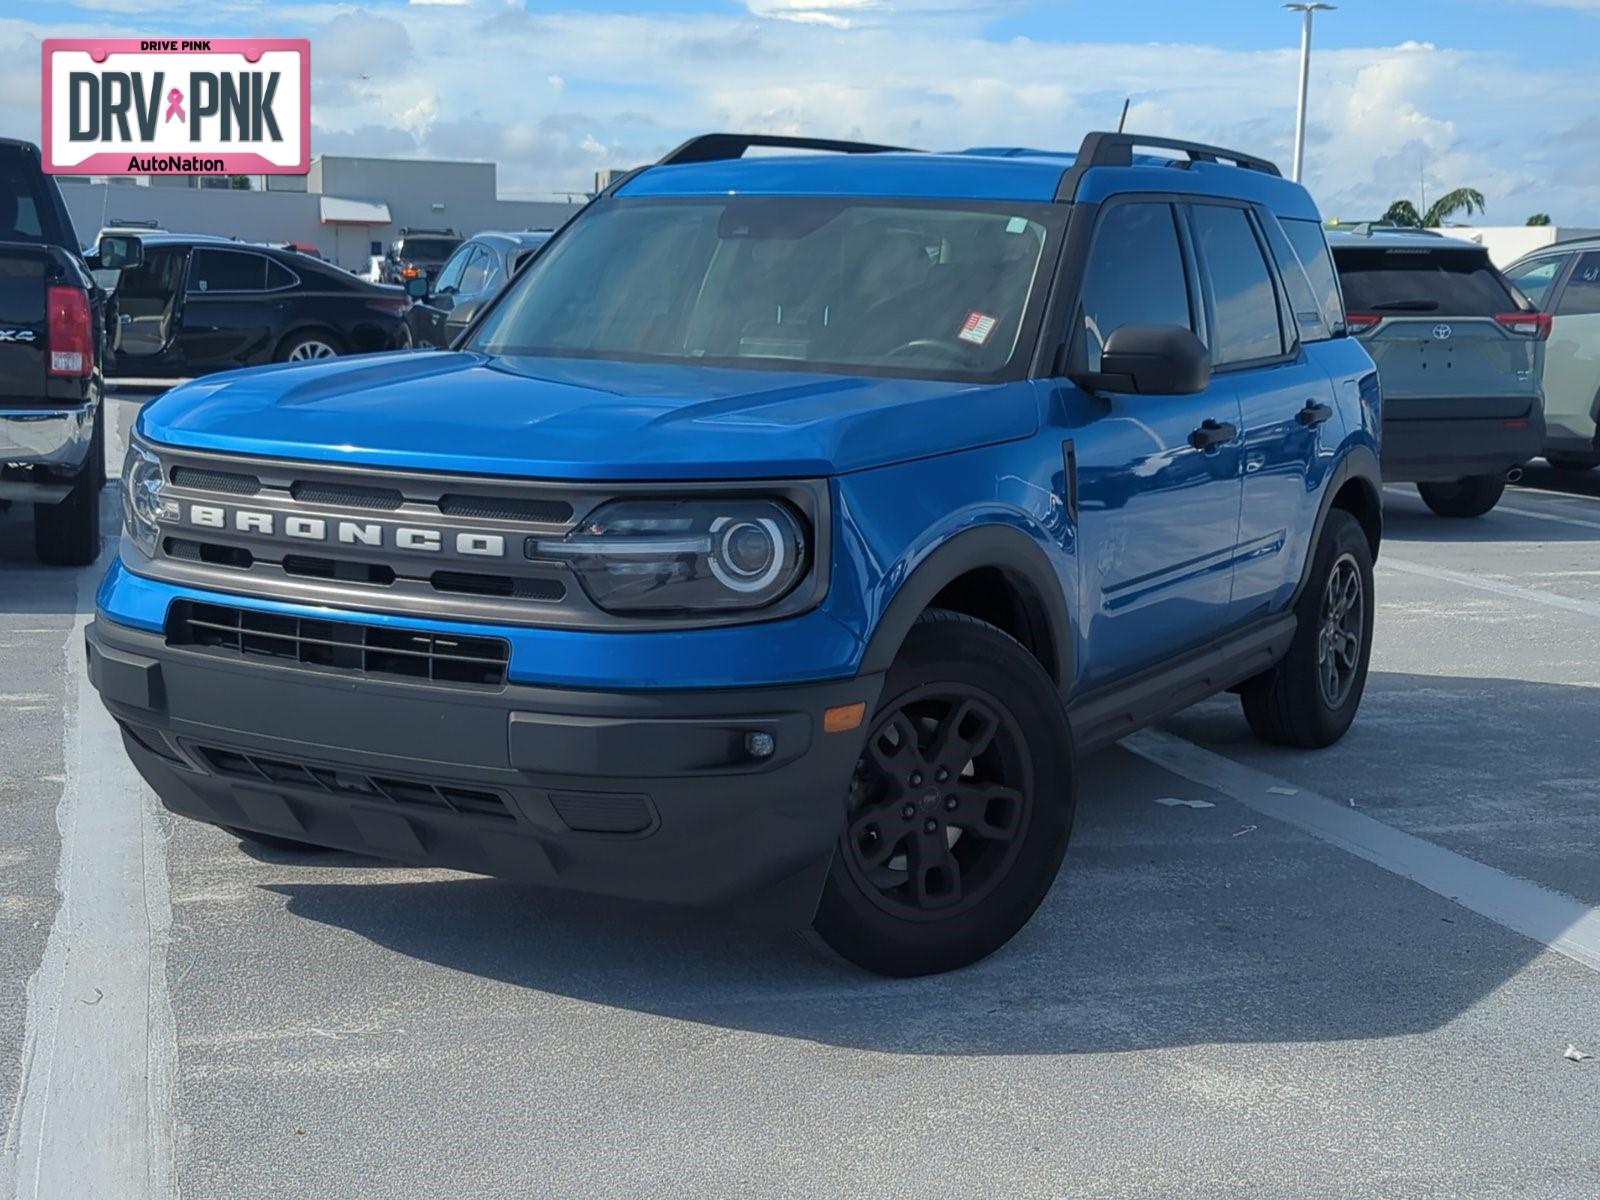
x: 1150, y: 360
x: 417, y: 287
x: 119, y: 253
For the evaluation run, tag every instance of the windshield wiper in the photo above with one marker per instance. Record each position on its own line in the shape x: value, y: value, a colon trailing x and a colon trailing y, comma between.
x: 1407, y: 306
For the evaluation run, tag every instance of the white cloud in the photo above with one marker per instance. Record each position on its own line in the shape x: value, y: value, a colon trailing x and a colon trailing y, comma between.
x: 622, y: 88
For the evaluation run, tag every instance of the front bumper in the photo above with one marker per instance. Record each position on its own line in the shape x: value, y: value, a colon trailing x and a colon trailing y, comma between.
x: 1436, y: 449
x: 55, y: 437
x: 648, y: 795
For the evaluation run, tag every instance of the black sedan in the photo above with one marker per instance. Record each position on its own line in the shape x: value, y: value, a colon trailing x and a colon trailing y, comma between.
x: 475, y: 274
x: 198, y: 304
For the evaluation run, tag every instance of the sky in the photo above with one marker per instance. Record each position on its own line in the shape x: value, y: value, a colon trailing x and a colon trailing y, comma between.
x: 1409, y: 98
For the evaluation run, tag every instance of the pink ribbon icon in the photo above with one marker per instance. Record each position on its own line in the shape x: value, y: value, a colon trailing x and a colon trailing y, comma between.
x: 174, y: 106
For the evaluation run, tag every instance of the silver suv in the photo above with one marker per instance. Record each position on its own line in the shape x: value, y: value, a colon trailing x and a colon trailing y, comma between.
x: 1564, y: 280
x: 1459, y: 353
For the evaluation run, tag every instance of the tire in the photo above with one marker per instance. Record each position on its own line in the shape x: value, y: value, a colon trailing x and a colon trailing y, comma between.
x: 1292, y: 704
x: 1469, y: 497
x: 993, y: 842
x: 1563, y: 462
x: 67, y: 533
x: 309, y: 346
x: 273, y: 842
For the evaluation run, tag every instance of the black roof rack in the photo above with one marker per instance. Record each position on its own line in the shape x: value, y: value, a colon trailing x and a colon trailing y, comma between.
x: 713, y: 147
x: 1102, y: 149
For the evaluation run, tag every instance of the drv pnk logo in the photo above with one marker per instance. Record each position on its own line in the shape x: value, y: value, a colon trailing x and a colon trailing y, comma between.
x: 125, y: 106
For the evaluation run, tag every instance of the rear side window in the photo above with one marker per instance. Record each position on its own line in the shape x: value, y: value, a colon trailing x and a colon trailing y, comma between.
x: 1135, y: 276
x: 1311, y: 247
x: 1582, y: 294
x: 1305, y: 309
x: 227, y: 271
x: 279, y: 276
x: 1245, y: 321
x: 26, y: 212
x: 1535, y: 278
x: 1448, y: 282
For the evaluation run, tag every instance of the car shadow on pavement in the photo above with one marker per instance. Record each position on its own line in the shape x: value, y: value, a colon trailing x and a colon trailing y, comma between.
x: 1168, y: 926
x: 1406, y: 524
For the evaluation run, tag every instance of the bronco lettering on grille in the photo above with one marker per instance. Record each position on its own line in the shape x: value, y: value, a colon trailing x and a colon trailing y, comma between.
x: 376, y: 534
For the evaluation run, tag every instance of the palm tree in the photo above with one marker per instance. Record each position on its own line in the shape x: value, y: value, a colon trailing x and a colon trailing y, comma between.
x: 1404, y: 213
x: 1447, y: 205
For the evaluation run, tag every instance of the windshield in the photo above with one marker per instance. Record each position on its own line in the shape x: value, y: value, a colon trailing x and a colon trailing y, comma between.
x: 420, y: 248
x: 942, y: 289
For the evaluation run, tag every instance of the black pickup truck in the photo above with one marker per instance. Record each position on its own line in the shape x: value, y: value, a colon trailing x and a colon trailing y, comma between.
x: 53, y: 319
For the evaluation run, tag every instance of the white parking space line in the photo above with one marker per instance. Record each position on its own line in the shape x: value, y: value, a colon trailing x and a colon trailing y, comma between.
x: 1546, y: 516
x: 1589, y: 608
x: 93, y: 1114
x: 1558, y: 922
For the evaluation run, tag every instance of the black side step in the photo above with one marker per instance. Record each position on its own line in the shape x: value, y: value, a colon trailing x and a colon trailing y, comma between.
x: 1102, y: 716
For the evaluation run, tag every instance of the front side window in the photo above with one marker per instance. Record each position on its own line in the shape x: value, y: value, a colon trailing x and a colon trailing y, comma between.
x: 449, y: 279
x: 1537, y: 276
x: 1135, y: 276
x: 1245, y: 318
x: 476, y: 275
x: 226, y: 271
x: 938, y: 289
x: 1581, y: 297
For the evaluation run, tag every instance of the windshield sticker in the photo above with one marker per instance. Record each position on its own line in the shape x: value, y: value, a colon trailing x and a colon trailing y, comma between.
x: 977, y: 328
x: 1017, y: 225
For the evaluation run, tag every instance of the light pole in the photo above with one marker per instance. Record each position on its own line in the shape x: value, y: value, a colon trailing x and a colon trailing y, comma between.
x: 1305, y: 75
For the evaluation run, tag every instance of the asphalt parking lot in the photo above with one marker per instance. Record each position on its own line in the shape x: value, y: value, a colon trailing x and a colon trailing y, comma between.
x: 1262, y: 973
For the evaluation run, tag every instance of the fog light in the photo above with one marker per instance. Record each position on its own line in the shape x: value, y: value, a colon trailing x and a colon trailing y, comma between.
x: 759, y: 745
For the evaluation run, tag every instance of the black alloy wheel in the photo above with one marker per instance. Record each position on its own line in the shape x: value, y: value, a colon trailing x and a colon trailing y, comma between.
x: 960, y: 808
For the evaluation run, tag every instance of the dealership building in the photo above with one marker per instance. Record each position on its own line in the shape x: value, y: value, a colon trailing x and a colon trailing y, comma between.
x: 349, y: 208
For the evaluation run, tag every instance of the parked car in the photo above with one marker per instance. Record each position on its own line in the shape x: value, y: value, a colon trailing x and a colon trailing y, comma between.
x: 779, y: 539
x: 418, y: 253
x: 475, y: 274
x: 52, y: 349
x: 1564, y: 280
x: 197, y: 304
x: 1459, y: 351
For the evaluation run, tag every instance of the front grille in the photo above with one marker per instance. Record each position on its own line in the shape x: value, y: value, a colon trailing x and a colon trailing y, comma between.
x: 236, y: 557
x: 342, y: 495
x: 340, y: 645
x: 506, y: 508
x: 331, y: 568
x: 232, y: 483
x: 342, y: 781
x: 468, y: 583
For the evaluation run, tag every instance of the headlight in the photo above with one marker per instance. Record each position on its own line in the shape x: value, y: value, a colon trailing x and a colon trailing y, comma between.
x: 683, y: 555
x: 142, y: 505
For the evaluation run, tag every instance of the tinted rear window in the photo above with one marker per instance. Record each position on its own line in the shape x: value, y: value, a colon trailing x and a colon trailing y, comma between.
x: 430, y: 248
x: 1446, y: 282
x: 27, y: 213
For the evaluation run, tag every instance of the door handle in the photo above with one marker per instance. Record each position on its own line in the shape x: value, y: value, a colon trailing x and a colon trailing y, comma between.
x: 1314, y: 414
x: 1212, y: 433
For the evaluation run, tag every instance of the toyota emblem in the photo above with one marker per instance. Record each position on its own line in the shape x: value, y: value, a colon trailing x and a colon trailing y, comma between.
x: 1441, y: 333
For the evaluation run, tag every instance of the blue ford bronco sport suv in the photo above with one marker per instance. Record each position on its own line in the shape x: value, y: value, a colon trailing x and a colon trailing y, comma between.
x: 779, y: 538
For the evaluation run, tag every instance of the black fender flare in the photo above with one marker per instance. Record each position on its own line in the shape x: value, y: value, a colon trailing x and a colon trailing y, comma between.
x: 1003, y: 547
x: 1359, y: 463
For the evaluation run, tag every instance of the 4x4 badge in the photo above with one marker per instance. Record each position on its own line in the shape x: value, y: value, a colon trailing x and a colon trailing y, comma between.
x: 1441, y: 333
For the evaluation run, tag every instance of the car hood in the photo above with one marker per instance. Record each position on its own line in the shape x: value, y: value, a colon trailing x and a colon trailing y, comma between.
x: 583, y: 419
